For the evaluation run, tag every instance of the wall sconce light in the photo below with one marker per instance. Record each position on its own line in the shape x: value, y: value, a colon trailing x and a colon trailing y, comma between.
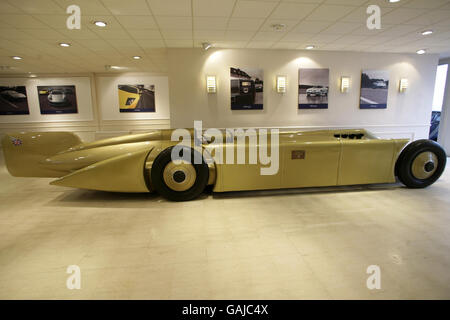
x: 345, y: 84
x: 211, y: 85
x: 403, y: 85
x: 281, y: 84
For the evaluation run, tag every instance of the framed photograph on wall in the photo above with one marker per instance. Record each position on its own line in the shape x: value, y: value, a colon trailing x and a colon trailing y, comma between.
x: 13, y: 100
x: 374, y: 89
x: 313, y: 85
x: 57, y: 99
x: 247, y: 88
x: 136, y: 98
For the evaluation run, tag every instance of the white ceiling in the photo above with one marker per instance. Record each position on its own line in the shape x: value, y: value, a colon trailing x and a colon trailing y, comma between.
x: 32, y: 29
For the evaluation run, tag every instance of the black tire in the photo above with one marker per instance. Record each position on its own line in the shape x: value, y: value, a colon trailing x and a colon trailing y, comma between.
x: 157, y: 178
x: 404, y: 164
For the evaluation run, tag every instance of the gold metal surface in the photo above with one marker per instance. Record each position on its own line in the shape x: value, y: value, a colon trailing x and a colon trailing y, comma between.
x: 189, y: 175
x: 418, y: 166
x: 306, y: 159
x: 123, y: 173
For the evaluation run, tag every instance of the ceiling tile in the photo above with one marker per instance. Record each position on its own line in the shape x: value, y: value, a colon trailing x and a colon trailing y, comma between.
x: 178, y: 8
x: 253, y: 9
x: 244, y: 24
x: 174, y: 22
x: 400, y: 30
x: 127, y: 7
x: 323, y: 37
x: 56, y: 21
x: 239, y: 35
x: 400, y: 15
x: 135, y: 22
x: 213, y: 23
x: 179, y: 43
x: 181, y: 34
x: 123, y: 43
x: 83, y: 33
x: 364, y: 31
x: 346, y: 2
x: 21, y: 21
x: 291, y: 36
x: 343, y: 27
x: 289, y: 24
x: 330, y: 12
x: 260, y: 44
x: 45, y: 34
x: 5, y: 7
x: 88, y: 7
x: 213, y: 8
x: 88, y: 21
x: 349, y: 39
x: 40, y: 6
x: 113, y: 33
x: 230, y: 44
x: 150, y: 43
x: 431, y: 17
x: 285, y: 45
x: 209, y: 35
x: 13, y: 33
x: 307, y: 26
x: 425, y: 4
x: 145, y: 33
x: 293, y: 10
x: 359, y: 15
x: 268, y: 36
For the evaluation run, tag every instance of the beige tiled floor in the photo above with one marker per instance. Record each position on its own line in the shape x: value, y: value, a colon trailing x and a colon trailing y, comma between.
x: 296, y: 244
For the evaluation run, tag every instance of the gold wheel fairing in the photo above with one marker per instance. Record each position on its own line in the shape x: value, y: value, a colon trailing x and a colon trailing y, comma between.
x: 172, y: 170
x: 424, y: 165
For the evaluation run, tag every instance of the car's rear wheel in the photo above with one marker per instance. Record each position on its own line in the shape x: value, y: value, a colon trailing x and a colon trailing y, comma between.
x: 179, y: 180
x: 421, y: 163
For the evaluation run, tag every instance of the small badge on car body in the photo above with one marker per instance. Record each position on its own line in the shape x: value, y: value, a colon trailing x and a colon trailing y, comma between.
x: 16, y: 142
x: 298, y: 154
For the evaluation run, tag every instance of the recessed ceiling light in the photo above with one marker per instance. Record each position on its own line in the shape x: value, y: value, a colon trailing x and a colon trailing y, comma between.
x: 16, y: 58
x: 427, y: 32
x: 393, y: 1
x: 137, y: 57
x: 64, y: 44
x: 100, y: 24
x: 310, y: 47
x: 421, y: 51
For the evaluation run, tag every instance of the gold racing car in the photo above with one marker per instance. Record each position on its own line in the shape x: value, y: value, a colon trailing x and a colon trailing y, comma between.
x: 143, y: 162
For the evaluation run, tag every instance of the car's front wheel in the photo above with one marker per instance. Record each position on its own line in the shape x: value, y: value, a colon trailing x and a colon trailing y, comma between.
x: 421, y: 163
x: 179, y: 180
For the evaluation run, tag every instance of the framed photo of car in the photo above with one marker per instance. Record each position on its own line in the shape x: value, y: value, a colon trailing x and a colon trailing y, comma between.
x: 13, y: 100
x: 313, y: 85
x: 374, y: 89
x: 57, y: 99
x: 247, y: 88
x: 136, y: 98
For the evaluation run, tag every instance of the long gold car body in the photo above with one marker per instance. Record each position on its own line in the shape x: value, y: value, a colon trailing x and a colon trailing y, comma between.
x: 123, y: 164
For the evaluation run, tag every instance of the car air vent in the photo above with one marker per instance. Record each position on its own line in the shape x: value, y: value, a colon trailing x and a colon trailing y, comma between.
x: 349, y: 136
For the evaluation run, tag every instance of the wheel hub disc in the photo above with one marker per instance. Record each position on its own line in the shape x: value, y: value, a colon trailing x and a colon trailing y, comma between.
x: 180, y: 176
x: 424, y: 165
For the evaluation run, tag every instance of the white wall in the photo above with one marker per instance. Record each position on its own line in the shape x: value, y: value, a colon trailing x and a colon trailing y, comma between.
x: 407, y: 115
x: 82, y: 91
x: 444, y: 126
x: 97, y: 100
x: 108, y: 101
